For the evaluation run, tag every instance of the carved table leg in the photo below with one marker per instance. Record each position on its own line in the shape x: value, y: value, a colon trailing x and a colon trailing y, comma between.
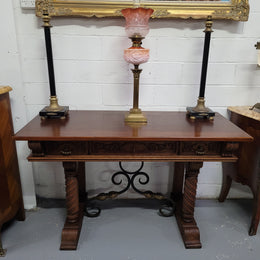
x: 72, y: 226
x: 185, y: 208
x: 177, y: 181
x: 82, y: 182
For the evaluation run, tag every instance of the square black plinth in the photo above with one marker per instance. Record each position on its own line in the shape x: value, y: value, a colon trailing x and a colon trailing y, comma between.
x: 209, y: 114
x: 44, y: 113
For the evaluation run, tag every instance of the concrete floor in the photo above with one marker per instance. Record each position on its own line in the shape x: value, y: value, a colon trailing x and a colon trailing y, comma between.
x: 135, y: 231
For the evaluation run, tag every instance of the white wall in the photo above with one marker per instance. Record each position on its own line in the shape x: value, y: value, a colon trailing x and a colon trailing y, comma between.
x: 10, y: 74
x: 92, y: 74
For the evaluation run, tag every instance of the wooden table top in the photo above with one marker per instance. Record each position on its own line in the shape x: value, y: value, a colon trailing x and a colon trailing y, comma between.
x: 110, y: 126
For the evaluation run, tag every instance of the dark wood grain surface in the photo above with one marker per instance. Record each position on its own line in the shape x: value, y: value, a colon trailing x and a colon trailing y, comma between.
x: 11, y: 200
x: 247, y: 169
x: 107, y: 125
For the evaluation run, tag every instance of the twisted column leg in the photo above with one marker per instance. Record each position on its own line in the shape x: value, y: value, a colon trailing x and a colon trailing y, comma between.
x: 72, y: 191
x: 177, y: 186
x: 72, y: 226
x: 185, y: 208
x: 190, y: 190
x: 82, y: 182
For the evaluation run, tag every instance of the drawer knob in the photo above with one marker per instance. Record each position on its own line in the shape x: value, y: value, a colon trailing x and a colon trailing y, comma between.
x: 200, y: 149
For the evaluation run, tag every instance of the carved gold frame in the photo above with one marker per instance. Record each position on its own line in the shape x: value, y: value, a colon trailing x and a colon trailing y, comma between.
x: 237, y: 10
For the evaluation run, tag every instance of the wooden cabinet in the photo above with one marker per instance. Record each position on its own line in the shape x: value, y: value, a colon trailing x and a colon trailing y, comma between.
x: 247, y: 169
x: 11, y: 201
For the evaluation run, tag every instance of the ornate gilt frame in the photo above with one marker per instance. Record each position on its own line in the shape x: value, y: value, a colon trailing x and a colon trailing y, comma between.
x: 237, y: 10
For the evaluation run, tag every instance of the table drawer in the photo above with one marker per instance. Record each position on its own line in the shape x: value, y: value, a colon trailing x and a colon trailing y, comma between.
x: 40, y: 149
x: 124, y: 148
x: 65, y: 148
x: 200, y: 148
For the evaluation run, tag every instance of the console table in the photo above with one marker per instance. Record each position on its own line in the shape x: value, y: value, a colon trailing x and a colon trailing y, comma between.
x: 103, y: 136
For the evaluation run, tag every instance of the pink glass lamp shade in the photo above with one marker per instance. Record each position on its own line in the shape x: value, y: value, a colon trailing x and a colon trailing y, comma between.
x: 137, y: 21
x: 136, y: 55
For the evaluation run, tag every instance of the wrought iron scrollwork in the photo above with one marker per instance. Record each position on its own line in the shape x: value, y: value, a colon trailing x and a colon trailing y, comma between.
x: 132, y: 178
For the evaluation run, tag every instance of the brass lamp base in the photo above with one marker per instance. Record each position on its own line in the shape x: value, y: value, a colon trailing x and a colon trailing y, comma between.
x: 135, y: 116
x: 54, y: 110
x: 200, y: 111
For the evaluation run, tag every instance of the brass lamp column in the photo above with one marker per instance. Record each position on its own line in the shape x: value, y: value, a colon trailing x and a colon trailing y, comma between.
x: 54, y: 110
x: 200, y: 111
x: 135, y: 114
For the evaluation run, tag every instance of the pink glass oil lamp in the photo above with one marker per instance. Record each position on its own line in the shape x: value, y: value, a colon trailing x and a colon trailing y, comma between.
x: 136, y: 29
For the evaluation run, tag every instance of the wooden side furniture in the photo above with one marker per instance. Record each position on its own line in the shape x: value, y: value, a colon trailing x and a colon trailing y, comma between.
x: 103, y: 136
x: 247, y: 169
x: 11, y: 200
